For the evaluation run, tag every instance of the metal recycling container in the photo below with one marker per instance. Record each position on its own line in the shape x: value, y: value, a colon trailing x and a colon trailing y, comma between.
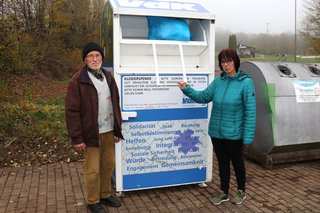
x: 288, y: 112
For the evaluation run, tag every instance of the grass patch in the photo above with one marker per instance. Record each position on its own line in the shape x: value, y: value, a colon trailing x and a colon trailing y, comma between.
x: 273, y: 58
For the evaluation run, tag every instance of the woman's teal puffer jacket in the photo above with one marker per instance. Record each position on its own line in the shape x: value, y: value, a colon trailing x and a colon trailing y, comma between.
x: 233, y: 114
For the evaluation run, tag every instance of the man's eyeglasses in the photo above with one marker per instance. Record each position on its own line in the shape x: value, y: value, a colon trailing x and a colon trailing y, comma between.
x: 223, y: 62
x: 92, y: 56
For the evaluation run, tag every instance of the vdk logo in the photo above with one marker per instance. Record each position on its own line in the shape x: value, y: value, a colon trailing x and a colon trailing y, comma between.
x: 187, y: 101
x: 165, y: 5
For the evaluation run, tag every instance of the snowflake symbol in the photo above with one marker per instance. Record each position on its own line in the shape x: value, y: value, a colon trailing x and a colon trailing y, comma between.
x: 186, y: 141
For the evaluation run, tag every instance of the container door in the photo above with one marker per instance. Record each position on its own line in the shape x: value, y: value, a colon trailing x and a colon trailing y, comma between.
x: 166, y: 140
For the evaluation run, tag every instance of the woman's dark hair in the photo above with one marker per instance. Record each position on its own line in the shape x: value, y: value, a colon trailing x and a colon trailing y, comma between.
x: 229, y: 54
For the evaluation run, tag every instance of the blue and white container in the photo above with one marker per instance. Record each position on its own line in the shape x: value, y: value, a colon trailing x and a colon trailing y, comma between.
x: 166, y: 140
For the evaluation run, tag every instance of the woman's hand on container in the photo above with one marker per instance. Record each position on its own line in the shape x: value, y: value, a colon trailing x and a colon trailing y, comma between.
x: 182, y: 84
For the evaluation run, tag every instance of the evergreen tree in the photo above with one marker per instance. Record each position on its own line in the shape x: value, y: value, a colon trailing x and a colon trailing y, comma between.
x: 233, y: 41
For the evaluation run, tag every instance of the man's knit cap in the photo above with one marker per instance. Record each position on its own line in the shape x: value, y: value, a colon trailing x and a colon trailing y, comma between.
x: 90, y: 47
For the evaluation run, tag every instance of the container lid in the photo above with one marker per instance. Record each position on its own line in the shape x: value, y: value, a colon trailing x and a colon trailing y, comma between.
x: 171, y: 8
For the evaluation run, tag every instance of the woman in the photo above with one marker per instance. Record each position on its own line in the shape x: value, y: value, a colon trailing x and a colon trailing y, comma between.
x: 232, y: 121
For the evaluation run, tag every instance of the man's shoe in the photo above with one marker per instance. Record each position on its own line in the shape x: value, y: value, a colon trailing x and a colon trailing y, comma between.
x: 239, y: 198
x: 219, y: 198
x: 96, y: 208
x: 111, y: 201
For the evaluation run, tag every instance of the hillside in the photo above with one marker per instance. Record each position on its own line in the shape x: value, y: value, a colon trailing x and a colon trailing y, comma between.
x: 32, y: 127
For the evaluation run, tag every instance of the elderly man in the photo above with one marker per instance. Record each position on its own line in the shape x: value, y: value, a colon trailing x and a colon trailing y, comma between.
x: 94, y: 120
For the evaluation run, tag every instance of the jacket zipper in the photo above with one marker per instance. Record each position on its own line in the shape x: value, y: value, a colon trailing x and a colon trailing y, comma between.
x: 224, y: 92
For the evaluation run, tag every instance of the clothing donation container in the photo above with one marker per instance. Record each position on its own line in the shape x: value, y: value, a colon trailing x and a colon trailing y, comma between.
x: 288, y: 112
x: 149, y: 47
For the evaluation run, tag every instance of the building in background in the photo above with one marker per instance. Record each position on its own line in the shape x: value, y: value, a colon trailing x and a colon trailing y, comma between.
x: 245, y: 51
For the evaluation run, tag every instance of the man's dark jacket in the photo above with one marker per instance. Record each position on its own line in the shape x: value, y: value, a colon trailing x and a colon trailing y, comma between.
x: 81, y: 108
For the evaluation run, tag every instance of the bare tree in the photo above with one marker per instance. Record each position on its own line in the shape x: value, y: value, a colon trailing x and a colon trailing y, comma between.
x: 311, y: 25
x: 43, y: 34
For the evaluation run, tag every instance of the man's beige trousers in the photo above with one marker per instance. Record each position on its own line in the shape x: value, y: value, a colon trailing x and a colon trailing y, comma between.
x: 98, y: 167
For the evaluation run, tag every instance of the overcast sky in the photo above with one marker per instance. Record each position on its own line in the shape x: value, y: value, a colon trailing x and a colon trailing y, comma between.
x: 255, y: 16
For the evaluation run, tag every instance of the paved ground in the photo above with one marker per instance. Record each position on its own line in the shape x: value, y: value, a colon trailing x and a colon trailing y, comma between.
x: 60, y: 188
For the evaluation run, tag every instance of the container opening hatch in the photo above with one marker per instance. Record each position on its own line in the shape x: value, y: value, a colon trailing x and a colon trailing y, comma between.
x: 285, y: 71
x: 314, y: 71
